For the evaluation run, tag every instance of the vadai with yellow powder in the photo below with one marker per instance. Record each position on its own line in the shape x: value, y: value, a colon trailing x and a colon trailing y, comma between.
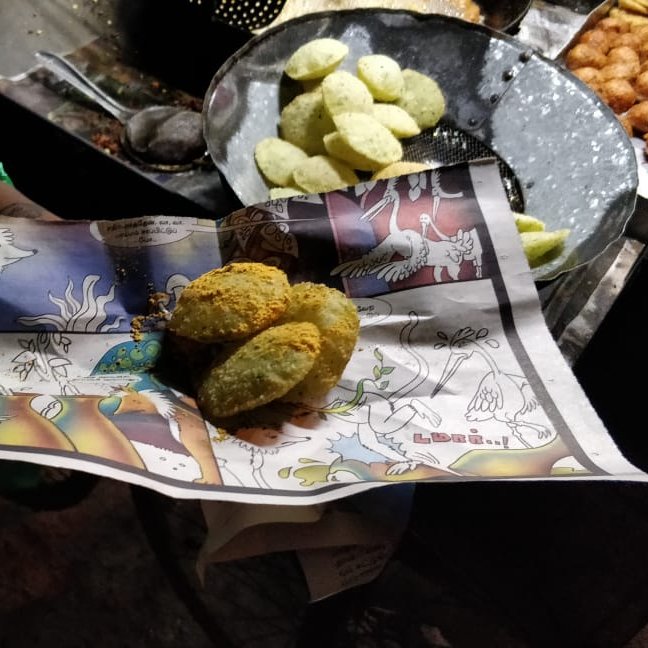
x: 337, y: 320
x: 260, y: 370
x: 231, y: 303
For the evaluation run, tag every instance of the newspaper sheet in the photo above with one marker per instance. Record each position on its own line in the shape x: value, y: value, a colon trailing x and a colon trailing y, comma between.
x: 455, y: 375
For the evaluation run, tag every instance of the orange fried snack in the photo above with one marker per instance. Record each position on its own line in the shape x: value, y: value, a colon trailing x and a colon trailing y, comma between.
x: 337, y: 320
x: 618, y: 94
x: 261, y: 370
x: 612, y: 59
x: 231, y: 303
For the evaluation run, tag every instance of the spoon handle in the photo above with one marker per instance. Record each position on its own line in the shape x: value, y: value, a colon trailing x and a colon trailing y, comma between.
x: 68, y: 72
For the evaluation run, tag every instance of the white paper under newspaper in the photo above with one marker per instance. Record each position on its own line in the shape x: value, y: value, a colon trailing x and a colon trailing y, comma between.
x: 455, y: 376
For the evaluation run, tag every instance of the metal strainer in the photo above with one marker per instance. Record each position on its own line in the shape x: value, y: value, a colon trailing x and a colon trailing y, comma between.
x: 446, y: 145
x: 258, y: 15
x: 251, y: 15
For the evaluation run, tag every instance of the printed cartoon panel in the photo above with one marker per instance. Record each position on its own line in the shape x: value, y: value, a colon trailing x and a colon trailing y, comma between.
x: 414, y: 230
x: 421, y: 229
x: 433, y: 390
x: 94, y: 277
x: 294, y: 235
x: 59, y: 393
x: 427, y: 395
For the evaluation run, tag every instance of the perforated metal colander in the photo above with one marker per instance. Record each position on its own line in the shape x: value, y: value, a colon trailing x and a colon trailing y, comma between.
x: 257, y: 15
x: 251, y: 15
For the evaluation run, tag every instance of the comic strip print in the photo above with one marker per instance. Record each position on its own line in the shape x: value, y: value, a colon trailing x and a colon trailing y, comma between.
x: 399, y: 418
x: 117, y: 411
x: 417, y: 233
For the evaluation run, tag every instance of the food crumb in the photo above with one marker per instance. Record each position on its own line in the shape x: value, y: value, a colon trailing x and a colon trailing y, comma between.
x: 157, y: 313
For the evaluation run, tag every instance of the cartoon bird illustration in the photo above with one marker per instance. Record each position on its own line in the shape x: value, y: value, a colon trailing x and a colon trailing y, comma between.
x: 380, y: 417
x: 438, y: 192
x: 447, y: 253
x: 403, y: 252
x: 409, y: 244
x: 9, y: 253
x: 500, y: 396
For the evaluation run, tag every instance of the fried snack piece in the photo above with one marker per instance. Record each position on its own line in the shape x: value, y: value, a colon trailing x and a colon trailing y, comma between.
x: 633, y: 20
x: 336, y: 147
x: 618, y: 71
x: 610, y: 23
x: 261, y: 370
x: 638, y: 116
x: 337, y: 319
x: 322, y: 173
x: 640, y: 28
x: 526, y: 223
x: 641, y: 86
x: 343, y: 92
x: 304, y: 122
x: 588, y: 75
x: 398, y: 169
x: 598, y: 39
x: 618, y: 94
x: 642, y: 50
x: 422, y: 99
x: 537, y: 245
x: 368, y: 137
x: 627, y: 126
x: 382, y: 75
x: 583, y: 55
x: 622, y: 54
x: 315, y: 59
x: 628, y: 39
x: 231, y: 303
x: 399, y: 122
x: 277, y: 159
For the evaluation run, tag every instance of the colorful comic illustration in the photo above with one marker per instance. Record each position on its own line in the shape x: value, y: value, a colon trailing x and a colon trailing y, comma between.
x: 454, y: 377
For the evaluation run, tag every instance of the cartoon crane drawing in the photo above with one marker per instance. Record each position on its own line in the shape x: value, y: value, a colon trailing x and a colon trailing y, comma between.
x: 500, y: 396
x: 411, y: 245
x: 405, y: 251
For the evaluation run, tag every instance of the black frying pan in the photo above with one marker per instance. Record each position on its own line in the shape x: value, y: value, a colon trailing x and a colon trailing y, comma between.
x: 571, y: 163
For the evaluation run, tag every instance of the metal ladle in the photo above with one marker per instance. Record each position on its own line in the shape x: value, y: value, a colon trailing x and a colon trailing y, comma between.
x: 166, y: 138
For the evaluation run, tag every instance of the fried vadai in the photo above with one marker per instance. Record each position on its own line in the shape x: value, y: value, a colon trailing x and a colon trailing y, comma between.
x: 231, y: 303
x: 618, y: 94
x: 583, y: 55
x: 618, y: 71
x: 598, y: 39
x: 260, y: 370
x: 641, y: 86
x: 337, y: 319
x: 613, y: 25
x: 623, y: 54
x: 588, y: 75
x: 638, y: 116
x: 628, y: 39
